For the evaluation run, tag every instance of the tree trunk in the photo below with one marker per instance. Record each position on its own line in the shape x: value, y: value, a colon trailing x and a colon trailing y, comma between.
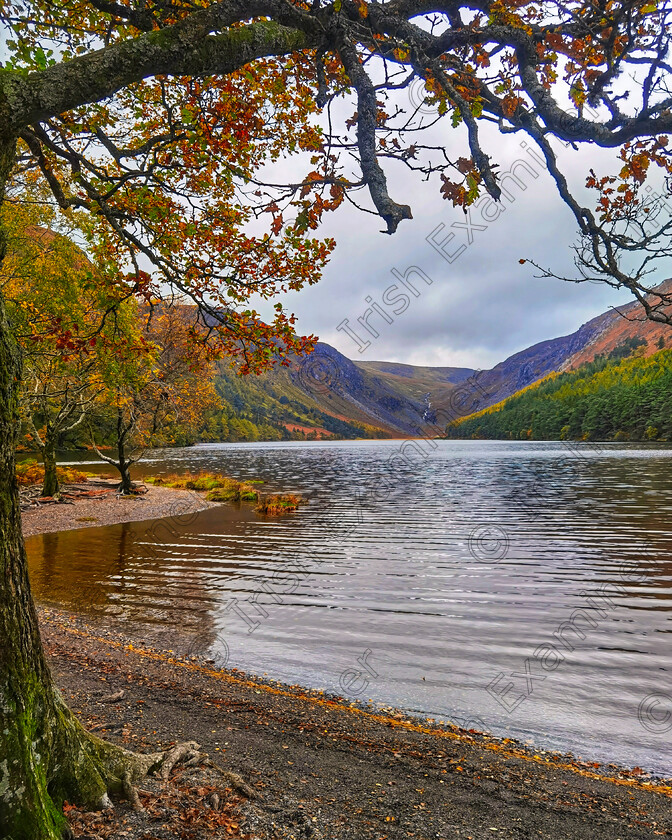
x: 40, y: 740
x: 51, y: 484
x: 126, y: 486
x: 124, y: 463
x: 46, y: 756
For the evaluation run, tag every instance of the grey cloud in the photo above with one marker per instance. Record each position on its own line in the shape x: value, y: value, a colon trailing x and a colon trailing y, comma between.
x: 482, y: 304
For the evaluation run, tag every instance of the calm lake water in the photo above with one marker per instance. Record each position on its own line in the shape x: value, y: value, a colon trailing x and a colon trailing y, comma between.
x: 439, y: 579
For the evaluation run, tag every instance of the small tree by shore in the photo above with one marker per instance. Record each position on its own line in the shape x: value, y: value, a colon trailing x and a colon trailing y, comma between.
x: 158, y: 383
x: 53, y: 306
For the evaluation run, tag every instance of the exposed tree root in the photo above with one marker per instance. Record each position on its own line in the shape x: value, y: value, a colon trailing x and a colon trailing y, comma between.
x: 89, y: 771
x: 187, y: 750
x: 74, y: 765
x: 131, y: 793
x: 233, y: 780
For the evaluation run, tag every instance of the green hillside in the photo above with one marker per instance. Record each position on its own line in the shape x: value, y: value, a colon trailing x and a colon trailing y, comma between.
x: 263, y: 407
x: 252, y: 408
x: 622, y: 396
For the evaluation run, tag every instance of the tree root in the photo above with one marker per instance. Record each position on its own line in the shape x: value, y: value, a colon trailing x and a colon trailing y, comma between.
x: 88, y: 772
x: 136, y: 766
x: 119, y: 770
x: 131, y: 793
x: 233, y: 780
x: 98, y: 726
x: 187, y: 750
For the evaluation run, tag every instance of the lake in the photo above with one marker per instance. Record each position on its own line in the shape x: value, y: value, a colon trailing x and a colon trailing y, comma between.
x: 520, y: 588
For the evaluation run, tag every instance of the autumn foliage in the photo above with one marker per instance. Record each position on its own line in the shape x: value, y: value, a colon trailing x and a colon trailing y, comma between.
x: 30, y: 472
x: 195, y: 148
x: 223, y: 488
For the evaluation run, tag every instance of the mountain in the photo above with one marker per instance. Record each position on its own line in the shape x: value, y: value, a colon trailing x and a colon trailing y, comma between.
x: 615, y: 328
x: 602, y: 335
x: 324, y: 394
x: 327, y: 395
x: 415, y: 382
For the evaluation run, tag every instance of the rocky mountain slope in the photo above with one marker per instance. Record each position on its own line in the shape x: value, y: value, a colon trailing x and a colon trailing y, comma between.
x: 599, y: 336
x: 331, y: 395
x: 327, y: 393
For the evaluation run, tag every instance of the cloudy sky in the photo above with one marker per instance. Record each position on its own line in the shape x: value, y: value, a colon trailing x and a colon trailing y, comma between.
x: 482, y: 305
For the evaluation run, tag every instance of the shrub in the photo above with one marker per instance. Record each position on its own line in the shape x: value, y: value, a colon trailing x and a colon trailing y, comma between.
x: 233, y: 491
x: 222, y: 488
x: 31, y: 472
x: 279, y: 505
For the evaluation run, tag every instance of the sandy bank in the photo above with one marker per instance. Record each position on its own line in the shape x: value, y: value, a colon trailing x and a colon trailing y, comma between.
x: 110, y: 509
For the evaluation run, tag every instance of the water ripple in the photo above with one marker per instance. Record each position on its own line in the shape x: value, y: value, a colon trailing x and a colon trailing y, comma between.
x: 428, y: 577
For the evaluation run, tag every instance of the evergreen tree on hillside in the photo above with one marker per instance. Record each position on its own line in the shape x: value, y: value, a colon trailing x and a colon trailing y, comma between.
x: 611, y: 398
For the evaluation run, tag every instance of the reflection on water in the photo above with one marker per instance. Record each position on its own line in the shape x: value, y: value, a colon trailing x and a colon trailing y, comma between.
x: 417, y: 581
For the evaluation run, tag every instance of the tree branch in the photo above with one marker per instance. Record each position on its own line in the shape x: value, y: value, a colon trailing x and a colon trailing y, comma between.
x: 185, y: 49
x: 367, y: 123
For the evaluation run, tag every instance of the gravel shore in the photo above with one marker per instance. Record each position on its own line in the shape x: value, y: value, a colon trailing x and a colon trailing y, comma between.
x: 110, y: 509
x: 325, y: 769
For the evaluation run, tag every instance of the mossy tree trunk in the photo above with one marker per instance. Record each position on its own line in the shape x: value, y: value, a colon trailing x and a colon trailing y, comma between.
x: 46, y: 756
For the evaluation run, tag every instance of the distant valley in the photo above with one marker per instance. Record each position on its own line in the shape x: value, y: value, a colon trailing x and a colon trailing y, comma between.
x: 328, y: 395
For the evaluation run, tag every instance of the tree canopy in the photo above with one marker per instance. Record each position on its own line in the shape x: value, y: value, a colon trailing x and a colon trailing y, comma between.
x: 159, y: 381
x: 164, y: 120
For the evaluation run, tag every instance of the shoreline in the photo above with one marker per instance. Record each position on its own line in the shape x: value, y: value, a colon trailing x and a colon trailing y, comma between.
x: 109, y: 509
x: 355, y: 771
x: 326, y: 768
x: 393, y: 717
x: 160, y: 502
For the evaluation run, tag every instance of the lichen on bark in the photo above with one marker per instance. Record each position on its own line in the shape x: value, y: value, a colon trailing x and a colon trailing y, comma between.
x: 46, y: 756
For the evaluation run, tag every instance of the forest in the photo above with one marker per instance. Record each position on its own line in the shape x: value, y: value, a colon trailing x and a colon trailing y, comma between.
x: 120, y: 378
x: 622, y: 395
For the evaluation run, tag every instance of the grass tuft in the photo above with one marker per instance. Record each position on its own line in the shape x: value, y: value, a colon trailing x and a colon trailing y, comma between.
x: 223, y: 488
x: 279, y: 505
